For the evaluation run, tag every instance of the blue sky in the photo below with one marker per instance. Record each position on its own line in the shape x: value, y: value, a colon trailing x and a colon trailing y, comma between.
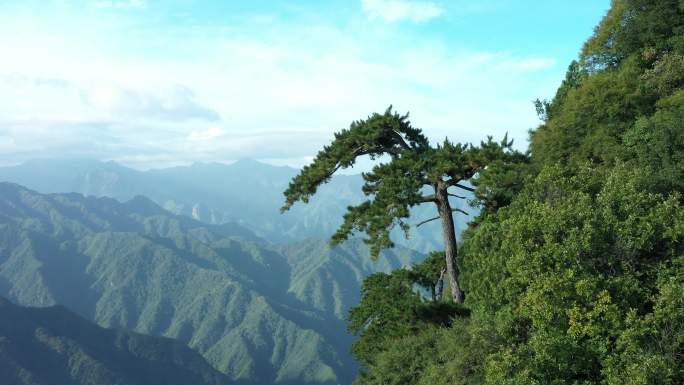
x: 156, y: 83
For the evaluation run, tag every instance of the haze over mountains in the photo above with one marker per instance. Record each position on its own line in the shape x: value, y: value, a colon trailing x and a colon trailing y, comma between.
x: 258, y: 312
x: 246, y: 192
x: 198, y: 253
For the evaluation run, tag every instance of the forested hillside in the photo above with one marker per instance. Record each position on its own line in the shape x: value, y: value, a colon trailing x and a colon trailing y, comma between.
x: 46, y: 346
x: 577, y: 276
x: 258, y: 313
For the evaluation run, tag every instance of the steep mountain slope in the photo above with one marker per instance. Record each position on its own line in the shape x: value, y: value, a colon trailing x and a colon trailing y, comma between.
x: 246, y: 307
x: 329, y: 279
x: 44, y: 346
x: 246, y: 192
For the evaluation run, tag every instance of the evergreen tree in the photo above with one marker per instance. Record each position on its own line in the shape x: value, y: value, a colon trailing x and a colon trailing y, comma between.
x: 395, y: 186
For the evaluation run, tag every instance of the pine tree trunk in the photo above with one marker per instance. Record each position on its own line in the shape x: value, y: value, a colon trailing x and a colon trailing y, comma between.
x: 450, y: 245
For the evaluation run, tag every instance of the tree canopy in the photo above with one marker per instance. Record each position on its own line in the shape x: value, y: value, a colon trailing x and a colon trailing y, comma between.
x: 395, y: 186
x: 575, y: 268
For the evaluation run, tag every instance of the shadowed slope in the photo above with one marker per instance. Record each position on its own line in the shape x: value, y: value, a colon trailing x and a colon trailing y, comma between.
x: 43, y: 346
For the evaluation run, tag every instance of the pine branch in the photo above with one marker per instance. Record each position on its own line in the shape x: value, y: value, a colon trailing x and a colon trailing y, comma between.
x: 456, y: 196
x: 436, y: 218
x: 456, y: 184
x: 427, y: 221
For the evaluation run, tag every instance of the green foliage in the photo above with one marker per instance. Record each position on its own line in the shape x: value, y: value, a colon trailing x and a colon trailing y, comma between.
x: 601, y: 49
x: 657, y: 143
x: 573, y: 79
x: 578, y: 281
x: 435, y: 356
x: 391, y: 308
x: 403, y: 359
x: 378, y: 135
x: 393, y: 187
x: 635, y: 27
x: 499, y: 183
x: 666, y: 76
x: 574, y: 269
x: 649, y: 349
x: 631, y: 64
x: 590, y: 121
x: 387, y: 310
x: 582, y: 251
x: 427, y: 273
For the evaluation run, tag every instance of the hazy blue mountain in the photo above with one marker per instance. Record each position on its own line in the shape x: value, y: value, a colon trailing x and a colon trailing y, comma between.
x: 256, y: 312
x: 246, y: 192
x: 48, y: 346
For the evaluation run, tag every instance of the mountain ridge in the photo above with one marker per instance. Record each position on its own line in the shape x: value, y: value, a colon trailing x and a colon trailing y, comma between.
x: 246, y: 192
x: 239, y: 301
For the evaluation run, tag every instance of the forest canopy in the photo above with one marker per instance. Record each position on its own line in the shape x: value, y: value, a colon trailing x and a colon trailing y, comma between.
x: 574, y: 273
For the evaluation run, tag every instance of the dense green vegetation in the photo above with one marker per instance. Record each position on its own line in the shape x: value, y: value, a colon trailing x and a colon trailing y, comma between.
x: 46, y: 346
x: 260, y: 313
x: 574, y: 270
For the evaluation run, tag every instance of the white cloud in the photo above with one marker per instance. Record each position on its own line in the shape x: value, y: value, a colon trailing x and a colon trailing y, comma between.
x: 273, y: 93
x: 401, y: 10
x: 38, y: 138
x: 7, y: 143
x: 208, y: 134
x: 21, y: 80
x: 535, y: 63
x: 174, y: 103
x: 120, y: 4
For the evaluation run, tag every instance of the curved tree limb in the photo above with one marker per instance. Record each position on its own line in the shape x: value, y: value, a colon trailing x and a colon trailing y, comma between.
x: 456, y: 196
x: 436, y: 218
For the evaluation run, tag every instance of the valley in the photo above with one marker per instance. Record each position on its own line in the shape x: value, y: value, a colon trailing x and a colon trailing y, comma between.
x: 258, y: 312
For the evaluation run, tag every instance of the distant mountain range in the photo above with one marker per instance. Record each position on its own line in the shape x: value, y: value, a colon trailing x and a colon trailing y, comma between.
x: 246, y: 192
x: 258, y: 312
x: 48, y: 346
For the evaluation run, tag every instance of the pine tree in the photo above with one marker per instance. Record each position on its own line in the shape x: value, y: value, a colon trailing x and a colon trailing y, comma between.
x: 394, y: 186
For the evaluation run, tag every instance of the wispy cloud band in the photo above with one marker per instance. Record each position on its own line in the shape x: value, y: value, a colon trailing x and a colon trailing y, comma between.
x: 124, y: 88
x: 402, y: 10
